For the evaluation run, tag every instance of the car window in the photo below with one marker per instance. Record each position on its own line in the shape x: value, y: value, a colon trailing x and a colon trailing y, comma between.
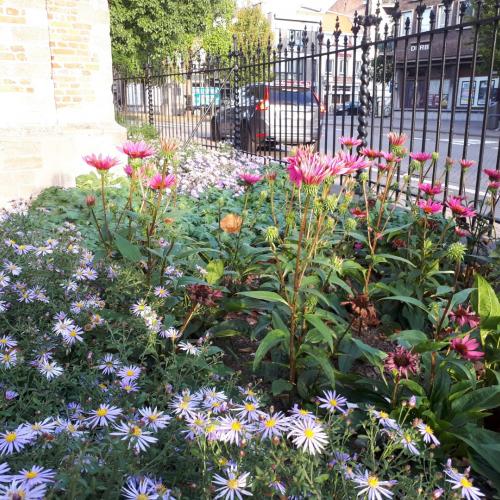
x: 291, y: 96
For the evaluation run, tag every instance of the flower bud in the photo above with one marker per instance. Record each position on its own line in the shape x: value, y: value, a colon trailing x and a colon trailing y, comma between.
x: 350, y: 225
x: 456, y: 251
x: 337, y: 263
x: 263, y: 195
x: 310, y: 189
x: 435, y: 156
x: 331, y: 202
x: 90, y: 200
x: 272, y: 234
x: 363, y: 177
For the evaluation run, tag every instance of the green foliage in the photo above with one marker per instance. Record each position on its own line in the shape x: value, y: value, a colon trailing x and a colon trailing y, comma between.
x: 252, y: 27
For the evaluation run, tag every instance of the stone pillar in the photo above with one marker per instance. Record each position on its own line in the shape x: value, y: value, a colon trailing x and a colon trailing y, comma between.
x: 56, y: 100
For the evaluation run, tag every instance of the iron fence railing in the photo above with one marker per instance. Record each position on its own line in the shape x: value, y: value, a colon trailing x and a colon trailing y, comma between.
x: 430, y: 71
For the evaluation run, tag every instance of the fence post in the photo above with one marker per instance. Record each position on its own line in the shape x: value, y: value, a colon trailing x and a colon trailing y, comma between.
x: 149, y: 91
x: 236, y: 92
x: 368, y: 20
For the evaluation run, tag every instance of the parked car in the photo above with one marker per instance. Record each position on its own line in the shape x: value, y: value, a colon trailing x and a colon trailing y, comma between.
x: 272, y: 114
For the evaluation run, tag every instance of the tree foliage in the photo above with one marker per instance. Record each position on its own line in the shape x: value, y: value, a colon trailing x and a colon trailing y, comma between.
x: 252, y: 26
x: 155, y: 29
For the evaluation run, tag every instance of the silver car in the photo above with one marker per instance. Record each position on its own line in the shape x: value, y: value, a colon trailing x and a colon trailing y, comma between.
x: 271, y: 115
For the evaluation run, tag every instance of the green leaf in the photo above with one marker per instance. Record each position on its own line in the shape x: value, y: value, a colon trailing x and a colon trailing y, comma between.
x: 272, y: 339
x: 215, y: 271
x: 487, y: 306
x: 413, y: 387
x: 266, y: 296
x: 409, y: 338
x: 127, y: 249
x: 326, y: 332
x: 280, y: 385
x: 373, y: 355
x: 407, y: 300
x: 322, y: 359
x: 480, y: 399
x: 381, y: 256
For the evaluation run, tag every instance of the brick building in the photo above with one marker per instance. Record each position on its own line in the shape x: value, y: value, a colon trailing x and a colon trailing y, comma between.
x: 436, y: 59
x: 55, y: 92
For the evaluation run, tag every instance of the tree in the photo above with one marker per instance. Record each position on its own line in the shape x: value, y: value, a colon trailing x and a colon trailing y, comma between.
x: 143, y: 30
x: 252, y: 26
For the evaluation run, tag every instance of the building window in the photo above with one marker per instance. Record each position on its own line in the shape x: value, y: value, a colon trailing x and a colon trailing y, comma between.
x: 341, y: 66
x: 469, y: 11
x: 441, y: 16
x: 477, y: 95
x: 358, y: 68
x: 426, y: 20
x: 295, y: 36
x: 404, y: 16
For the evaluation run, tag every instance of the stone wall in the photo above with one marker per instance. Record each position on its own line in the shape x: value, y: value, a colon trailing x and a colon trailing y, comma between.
x: 55, y: 92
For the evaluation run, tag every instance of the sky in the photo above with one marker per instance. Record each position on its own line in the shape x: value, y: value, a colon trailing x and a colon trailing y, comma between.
x: 282, y: 7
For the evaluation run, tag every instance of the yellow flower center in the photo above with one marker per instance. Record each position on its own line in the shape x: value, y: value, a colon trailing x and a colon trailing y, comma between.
x: 309, y: 433
x: 142, y: 496
x: 236, y: 426
x: 127, y: 387
x: 183, y: 405
x: 232, y: 484
x: 270, y: 423
x: 101, y: 412
x: 10, y: 437
x: 215, y: 404
x: 31, y: 474
x: 333, y: 402
x: 211, y: 428
x: 153, y: 418
x: 136, y: 431
x: 408, y: 438
x: 71, y: 428
x: 130, y: 373
x: 428, y: 430
x: 3, y: 341
x: 303, y: 412
x: 72, y: 333
x: 198, y: 421
x: 465, y: 483
x: 6, y: 358
x: 383, y: 414
x: 372, y: 481
x: 249, y: 407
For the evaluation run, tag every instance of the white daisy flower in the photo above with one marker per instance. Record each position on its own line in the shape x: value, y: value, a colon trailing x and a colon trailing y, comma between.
x: 428, y: 434
x: 14, y: 441
x: 308, y: 435
x: 139, y: 308
x: 301, y: 412
x: 372, y: 487
x: 197, y: 423
x: 139, y: 490
x: 72, y: 335
x: 232, y: 485
x: 62, y: 325
x: 463, y: 483
x: 4, y: 473
x: 129, y: 373
x: 50, y: 369
x: 161, y: 292
x: 249, y: 410
x: 12, y: 268
x: 189, y: 348
x: 43, y: 427
x: 35, y: 475
x: 8, y: 359
x: 332, y: 402
x: 170, y: 333
x: 129, y: 386
x: 17, y: 489
x: 183, y: 405
x: 153, y: 418
x: 7, y: 342
x: 248, y: 393
x: 137, y: 437
x: 103, y: 415
x: 273, y: 425
x: 234, y: 430
x: 74, y: 429
x: 109, y: 364
x: 409, y: 443
x: 385, y: 421
x: 4, y: 279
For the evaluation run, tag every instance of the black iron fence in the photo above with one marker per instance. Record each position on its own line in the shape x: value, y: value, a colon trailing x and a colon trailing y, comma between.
x: 430, y: 71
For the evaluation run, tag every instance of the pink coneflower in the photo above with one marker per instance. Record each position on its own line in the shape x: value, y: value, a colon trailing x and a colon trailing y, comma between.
x: 308, y: 168
x: 466, y: 348
x: 128, y: 170
x: 465, y: 164
x: 464, y: 316
x: 352, y: 163
x: 391, y: 158
x: 350, y: 142
x: 462, y: 233
x: 430, y: 207
x: 101, y: 162
x: 449, y: 162
x: 371, y: 154
x: 358, y: 213
x: 396, y: 139
x: 493, y: 175
x: 160, y: 181
x: 421, y: 157
x: 250, y: 179
x: 137, y: 149
x: 493, y: 186
x: 430, y: 189
x: 402, y: 361
x: 455, y: 204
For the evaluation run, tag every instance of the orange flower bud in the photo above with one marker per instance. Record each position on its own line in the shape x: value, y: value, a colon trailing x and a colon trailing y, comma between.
x: 231, y: 223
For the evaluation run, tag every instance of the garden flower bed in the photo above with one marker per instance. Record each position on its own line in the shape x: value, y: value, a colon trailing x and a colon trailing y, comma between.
x: 210, y: 326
